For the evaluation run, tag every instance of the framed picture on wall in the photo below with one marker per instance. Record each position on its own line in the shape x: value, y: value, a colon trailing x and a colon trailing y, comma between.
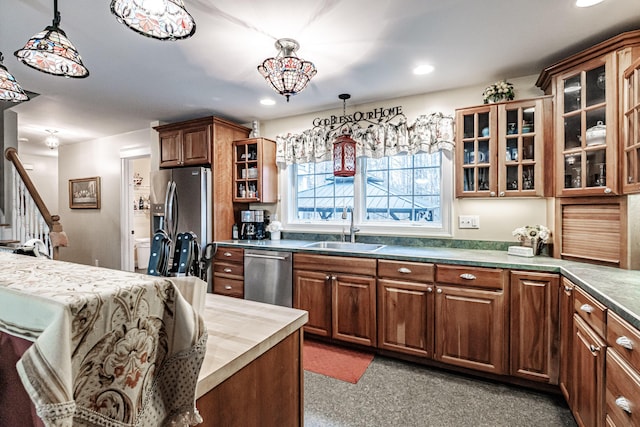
x: 84, y: 193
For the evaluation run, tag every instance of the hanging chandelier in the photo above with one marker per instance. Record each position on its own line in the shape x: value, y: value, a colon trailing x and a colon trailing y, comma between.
x: 286, y: 73
x: 344, y: 148
x: 158, y: 19
x: 51, y: 52
x: 10, y: 89
x: 52, y: 140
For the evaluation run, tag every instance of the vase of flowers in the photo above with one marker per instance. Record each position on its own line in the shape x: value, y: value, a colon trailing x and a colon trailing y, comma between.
x: 533, y: 236
x: 497, y: 92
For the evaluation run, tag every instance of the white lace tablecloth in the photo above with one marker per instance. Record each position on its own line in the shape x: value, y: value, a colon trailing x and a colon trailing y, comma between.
x: 111, y: 348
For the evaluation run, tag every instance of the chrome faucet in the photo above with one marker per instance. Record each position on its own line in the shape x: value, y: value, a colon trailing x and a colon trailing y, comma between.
x: 352, y: 228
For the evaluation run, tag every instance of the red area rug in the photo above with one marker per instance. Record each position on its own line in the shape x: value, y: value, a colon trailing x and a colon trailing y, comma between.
x: 336, y: 362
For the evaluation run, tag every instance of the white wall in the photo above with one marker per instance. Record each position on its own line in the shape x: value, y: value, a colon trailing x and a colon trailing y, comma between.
x: 498, y: 217
x: 43, y: 171
x: 94, y: 234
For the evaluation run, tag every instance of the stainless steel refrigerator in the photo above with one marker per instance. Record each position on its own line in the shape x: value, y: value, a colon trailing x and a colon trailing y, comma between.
x: 181, y: 202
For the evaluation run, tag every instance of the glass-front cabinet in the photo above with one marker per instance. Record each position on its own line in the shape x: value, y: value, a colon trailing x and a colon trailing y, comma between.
x: 503, y: 149
x: 631, y: 130
x: 476, y: 161
x: 586, y: 126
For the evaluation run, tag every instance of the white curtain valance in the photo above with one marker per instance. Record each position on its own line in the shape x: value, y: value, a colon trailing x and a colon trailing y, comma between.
x: 427, y: 134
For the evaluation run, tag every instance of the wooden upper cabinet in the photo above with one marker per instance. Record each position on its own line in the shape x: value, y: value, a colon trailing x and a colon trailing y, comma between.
x: 588, y: 90
x: 504, y: 148
x: 255, y: 174
x: 631, y: 130
x: 189, y: 145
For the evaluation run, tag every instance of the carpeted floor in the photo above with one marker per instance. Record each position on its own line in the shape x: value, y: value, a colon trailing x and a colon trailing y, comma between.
x: 398, y: 394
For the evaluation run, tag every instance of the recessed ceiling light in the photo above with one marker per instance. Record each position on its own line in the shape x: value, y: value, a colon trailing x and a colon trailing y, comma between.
x: 267, y: 101
x: 587, y: 3
x: 422, y: 69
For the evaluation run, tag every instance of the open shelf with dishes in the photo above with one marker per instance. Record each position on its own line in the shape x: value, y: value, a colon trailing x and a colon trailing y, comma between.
x: 254, y: 172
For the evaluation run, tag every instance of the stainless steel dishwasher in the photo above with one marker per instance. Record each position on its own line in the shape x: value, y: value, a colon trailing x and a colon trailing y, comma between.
x: 268, y: 277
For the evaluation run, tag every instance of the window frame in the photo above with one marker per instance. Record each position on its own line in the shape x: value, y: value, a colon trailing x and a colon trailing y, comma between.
x: 291, y: 224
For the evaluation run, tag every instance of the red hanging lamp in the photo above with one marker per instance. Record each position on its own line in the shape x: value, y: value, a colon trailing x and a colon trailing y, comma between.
x: 344, y: 148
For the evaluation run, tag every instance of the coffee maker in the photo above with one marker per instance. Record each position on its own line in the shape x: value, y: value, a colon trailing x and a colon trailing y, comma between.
x: 253, y: 226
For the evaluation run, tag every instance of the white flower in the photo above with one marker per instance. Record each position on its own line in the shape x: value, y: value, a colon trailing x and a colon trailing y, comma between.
x: 538, y: 232
x: 274, y: 226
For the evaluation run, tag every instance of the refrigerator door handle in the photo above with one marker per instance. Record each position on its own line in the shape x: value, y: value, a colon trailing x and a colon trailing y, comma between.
x: 171, y: 210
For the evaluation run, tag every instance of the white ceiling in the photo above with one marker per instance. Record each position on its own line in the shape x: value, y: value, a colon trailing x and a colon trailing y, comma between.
x: 363, y: 47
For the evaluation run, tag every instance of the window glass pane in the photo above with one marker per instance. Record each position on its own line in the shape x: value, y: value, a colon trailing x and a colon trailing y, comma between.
x: 397, y: 190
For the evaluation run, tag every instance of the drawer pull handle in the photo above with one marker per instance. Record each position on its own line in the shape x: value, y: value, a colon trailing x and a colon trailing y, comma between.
x: 594, y: 349
x: 468, y: 276
x: 568, y: 289
x: 228, y: 287
x: 625, y: 342
x: 623, y: 404
x: 404, y: 270
x: 586, y: 308
x: 228, y: 270
x: 228, y: 254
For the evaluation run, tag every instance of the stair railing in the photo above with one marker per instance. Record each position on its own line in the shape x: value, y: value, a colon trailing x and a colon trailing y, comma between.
x: 31, y: 218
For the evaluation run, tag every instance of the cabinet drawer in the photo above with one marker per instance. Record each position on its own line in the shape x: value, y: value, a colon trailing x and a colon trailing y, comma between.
x: 230, y: 255
x: 590, y: 310
x: 412, y: 271
x: 624, y: 339
x: 335, y: 264
x: 229, y: 269
x: 476, y: 277
x: 229, y: 287
x: 623, y: 392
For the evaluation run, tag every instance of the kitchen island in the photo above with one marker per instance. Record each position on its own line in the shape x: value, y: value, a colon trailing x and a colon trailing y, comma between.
x: 100, y: 346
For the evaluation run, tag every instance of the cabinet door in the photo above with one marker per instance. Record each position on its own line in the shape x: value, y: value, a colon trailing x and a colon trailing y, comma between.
x: 566, y: 334
x: 586, y: 129
x: 588, y: 375
x: 196, y: 146
x: 354, y: 309
x: 405, y: 317
x: 170, y: 149
x: 631, y: 130
x: 623, y: 392
x: 523, y: 141
x: 470, y: 327
x: 312, y: 292
x: 476, y: 157
x: 534, y: 326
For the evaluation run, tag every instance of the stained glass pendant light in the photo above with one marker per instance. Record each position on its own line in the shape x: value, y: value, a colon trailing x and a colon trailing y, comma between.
x: 10, y: 89
x: 51, y: 52
x: 286, y: 73
x: 344, y: 148
x: 158, y: 19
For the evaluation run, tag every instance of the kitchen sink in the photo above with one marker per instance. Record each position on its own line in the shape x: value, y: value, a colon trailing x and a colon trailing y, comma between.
x: 346, y: 246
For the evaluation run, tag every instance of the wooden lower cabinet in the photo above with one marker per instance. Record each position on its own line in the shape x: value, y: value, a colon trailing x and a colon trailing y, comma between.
x: 341, y: 306
x: 312, y: 292
x: 587, y: 401
x: 228, y: 272
x: 405, y: 317
x: 622, y: 392
x: 267, y: 392
x: 471, y: 328
x: 566, y: 338
x: 406, y: 307
x: 534, y: 352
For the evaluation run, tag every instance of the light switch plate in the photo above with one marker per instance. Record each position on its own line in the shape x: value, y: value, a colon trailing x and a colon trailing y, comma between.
x: 468, y: 221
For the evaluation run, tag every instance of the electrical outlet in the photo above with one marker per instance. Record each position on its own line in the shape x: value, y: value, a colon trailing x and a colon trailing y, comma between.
x: 468, y: 221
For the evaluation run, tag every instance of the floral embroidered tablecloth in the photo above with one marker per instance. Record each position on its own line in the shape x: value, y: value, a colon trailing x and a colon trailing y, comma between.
x: 111, y: 348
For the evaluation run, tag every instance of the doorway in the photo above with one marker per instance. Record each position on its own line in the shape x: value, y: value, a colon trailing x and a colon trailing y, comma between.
x: 135, y: 212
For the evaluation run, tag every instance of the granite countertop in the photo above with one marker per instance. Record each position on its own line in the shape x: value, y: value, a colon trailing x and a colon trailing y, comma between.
x: 239, y: 332
x: 617, y: 289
